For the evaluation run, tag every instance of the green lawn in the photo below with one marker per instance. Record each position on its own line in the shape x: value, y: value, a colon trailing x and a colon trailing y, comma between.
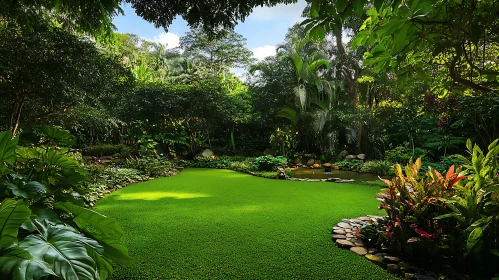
x: 220, y: 224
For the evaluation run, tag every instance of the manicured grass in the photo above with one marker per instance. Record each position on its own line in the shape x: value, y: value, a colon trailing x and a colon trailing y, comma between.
x: 220, y: 224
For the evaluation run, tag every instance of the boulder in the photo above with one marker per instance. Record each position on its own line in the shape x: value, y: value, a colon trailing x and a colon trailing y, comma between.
x: 316, y: 165
x: 327, y: 164
x: 207, y: 153
x: 268, y: 151
x: 310, y: 162
x: 343, y: 153
x: 351, y: 157
x: 361, y: 156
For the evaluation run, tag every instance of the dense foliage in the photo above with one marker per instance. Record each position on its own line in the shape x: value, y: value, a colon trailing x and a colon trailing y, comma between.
x: 44, y: 230
x: 445, y: 221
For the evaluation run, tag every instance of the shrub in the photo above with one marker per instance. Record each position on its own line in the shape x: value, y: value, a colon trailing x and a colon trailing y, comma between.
x: 101, y: 150
x: 355, y: 164
x: 381, y: 167
x: 403, y: 153
x: 150, y: 166
x: 446, y: 221
x: 269, y: 163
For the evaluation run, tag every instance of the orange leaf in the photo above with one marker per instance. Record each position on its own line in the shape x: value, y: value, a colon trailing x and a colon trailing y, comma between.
x: 450, y: 173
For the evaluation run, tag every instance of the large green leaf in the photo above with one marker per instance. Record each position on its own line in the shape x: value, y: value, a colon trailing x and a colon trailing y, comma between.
x: 52, y: 157
x: 19, y: 187
x: 102, y: 228
x: 58, y: 136
x: 18, y: 264
x: 474, y: 239
x: 7, y: 150
x: 64, y: 249
x: 13, y: 213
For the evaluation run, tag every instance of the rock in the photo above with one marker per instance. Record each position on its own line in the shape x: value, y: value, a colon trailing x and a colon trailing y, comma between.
x: 327, y: 164
x: 268, y: 151
x: 351, y: 157
x: 409, y: 275
x: 316, y: 165
x: 348, y: 230
x: 345, y: 181
x: 361, y: 156
x: 392, y: 259
x: 336, y: 168
x: 357, y: 244
x: 359, y: 250
x: 344, y: 244
x: 207, y: 153
x: 375, y: 259
x: 310, y: 162
x: 344, y: 225
x: 338, y: 236
x: 343, y: 153
x: 298, y: 161
x: 339, y: 231
x: 424, y: 277
x: 392, y: 268
x: 294, y: 179
x: 333, y: 179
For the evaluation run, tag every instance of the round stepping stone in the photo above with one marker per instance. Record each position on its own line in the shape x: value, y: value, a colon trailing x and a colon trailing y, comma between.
x: 344, y: 225
x: 361, y: 251
x: 392, y: 259
x: 392, y: 268
x: 339, y: 231
x: 375, y: 259
x: 338, y: 236
x: 344, y: 243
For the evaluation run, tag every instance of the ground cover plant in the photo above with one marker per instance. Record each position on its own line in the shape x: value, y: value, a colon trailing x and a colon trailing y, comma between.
x: 221, y: 224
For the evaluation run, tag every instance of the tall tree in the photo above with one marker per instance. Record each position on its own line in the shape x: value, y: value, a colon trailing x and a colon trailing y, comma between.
x: 216, y: 54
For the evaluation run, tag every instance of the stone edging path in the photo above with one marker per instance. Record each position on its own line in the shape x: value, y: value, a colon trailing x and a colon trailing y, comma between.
x: 346, y: 235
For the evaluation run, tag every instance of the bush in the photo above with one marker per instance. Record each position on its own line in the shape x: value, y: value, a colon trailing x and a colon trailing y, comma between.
x: 403, y: 153
x: 381, y: 167
x: 355, y: 164
x: 150, y: 166
x: 100, y: 150
x: 269, y: 163
x: 442, y: 221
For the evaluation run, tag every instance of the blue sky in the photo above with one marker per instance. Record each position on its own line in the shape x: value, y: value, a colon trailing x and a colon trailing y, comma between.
x: 263, y: 29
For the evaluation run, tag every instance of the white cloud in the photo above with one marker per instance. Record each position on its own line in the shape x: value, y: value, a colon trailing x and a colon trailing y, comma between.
x: 171, y: 40
x: 293, y: 11
x: 261, y: 53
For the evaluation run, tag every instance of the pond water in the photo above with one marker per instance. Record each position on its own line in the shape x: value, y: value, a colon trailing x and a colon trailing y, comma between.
x: 319, y: 174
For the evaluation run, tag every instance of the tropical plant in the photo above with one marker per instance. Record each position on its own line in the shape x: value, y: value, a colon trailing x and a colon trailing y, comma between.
x: 283, y: 140
x: 269, y: 163
x: 381, y: 167
x: 43, y: 232
x: 452, y: 220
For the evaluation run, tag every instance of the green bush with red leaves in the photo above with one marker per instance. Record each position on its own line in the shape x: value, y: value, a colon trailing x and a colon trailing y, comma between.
x: 445, y: 222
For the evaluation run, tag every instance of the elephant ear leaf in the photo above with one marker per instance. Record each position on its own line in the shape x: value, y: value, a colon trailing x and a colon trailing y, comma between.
x: 7, y: 150
x: 29, y: 190
x: 64, y: 249
x: 102, y: 228
x: 13, y: 213
x: 18, y: 264
x: 57, y: 136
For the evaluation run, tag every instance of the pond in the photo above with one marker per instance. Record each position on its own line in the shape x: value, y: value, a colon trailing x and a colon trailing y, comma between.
x: 345, y: 175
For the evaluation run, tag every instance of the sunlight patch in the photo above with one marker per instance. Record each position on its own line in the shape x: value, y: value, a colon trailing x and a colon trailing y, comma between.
x: 159, y: 195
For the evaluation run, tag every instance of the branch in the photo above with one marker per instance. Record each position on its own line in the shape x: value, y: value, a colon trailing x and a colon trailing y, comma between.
x: 456, y: 77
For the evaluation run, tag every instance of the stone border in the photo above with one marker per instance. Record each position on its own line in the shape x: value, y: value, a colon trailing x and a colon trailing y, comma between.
x: 346, y: 235
x: 333, y: 180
